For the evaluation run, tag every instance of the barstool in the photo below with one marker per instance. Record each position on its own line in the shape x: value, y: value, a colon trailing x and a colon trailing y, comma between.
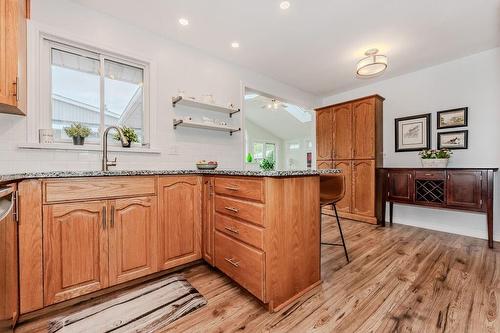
x: 331, y: 191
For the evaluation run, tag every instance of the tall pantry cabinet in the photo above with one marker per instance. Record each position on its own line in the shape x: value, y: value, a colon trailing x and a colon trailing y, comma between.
x: 349, y: 137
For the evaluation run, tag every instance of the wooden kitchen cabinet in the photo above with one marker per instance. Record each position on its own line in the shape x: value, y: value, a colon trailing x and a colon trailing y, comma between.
x: 324, y: 135
x: 75, y: 250
x: 13, y: 15
x: 208, y: 219
x: 363, y: 188
x: 132, y: 238
x: 324, y: 165
x: 344, y: 205
x: 342, y: 132
x: 363, y: 137
x: 356, y: 140
x: 180, y: 227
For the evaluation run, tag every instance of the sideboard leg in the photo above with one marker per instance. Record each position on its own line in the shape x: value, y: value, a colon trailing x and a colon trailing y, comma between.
x: 391, y: 210
x: 489, y: 212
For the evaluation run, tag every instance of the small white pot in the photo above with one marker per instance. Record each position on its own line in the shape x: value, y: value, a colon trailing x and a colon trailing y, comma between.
x: 434, y: 162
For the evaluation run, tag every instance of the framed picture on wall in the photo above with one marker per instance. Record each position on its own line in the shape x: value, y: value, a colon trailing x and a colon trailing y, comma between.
x: 453, y: 140
x: 452, y: 118
x: 413, y: 133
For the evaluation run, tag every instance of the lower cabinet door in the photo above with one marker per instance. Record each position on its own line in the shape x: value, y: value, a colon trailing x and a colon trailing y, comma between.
x: 75, y: 247
x: 132, y: 238
x: 344, y: 205
x: 400, y: 185
x: 464, y: 189
x: 179, y: 230
x: 324, y: 165
x: 363, y: 187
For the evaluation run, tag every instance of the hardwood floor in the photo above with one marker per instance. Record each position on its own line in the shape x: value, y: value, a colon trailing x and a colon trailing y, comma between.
x: 400, y: 279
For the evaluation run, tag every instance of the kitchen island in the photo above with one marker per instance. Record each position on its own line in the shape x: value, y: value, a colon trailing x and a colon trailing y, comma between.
x: 84, y: 232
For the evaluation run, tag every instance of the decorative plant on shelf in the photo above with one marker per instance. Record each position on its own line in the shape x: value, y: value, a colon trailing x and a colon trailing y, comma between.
x: 435, y: 158
x: 78, y: 132
x: 129, y: 133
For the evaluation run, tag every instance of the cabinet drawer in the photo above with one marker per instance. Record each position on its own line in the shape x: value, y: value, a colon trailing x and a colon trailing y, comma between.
x: 241, y: 263
x: 248, y: 211
x: 252, y: 189
x: 242, y: 231
x: 430, y: 174
x: 97, y: 188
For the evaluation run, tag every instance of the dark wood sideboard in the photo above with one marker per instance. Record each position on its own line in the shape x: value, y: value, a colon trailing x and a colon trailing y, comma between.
x: 468, y: 189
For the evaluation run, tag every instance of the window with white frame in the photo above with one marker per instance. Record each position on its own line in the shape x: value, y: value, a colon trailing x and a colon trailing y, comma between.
x: 95, y: 89
x: 263, y: 150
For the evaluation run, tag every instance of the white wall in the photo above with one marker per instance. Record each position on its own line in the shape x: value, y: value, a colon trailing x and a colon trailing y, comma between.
x: 473, y: 81
x: 174, y: 66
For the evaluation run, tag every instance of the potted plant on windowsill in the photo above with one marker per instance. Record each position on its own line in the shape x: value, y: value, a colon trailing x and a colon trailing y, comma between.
x: 78, y: 133
x: 432, y: 158
x: 129, y: 133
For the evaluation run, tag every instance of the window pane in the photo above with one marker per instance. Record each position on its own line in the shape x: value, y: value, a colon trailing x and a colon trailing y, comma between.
x: 75, y: 93
x: 258, y: 150
x: 270, y: 151
x: 123, y: 96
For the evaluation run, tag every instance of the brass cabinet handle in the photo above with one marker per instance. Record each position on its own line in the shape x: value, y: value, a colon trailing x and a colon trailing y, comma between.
x: 112, y: 216
x: 232, y: 209
x: 233, y: 230
x: 232, y: 262
x: 104, y: 217
x: 232, y: 188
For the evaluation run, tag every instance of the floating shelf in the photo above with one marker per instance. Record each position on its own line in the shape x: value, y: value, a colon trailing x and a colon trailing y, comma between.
x: 202, y: 105
x: 193, y: 124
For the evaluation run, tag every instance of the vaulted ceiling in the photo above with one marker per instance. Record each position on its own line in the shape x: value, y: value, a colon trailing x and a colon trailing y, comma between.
x: 315, y: 44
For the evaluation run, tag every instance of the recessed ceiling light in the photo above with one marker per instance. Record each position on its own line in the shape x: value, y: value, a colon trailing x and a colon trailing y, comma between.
x: 183, y: 21
x: 285, y: 5
x: 235, y: 45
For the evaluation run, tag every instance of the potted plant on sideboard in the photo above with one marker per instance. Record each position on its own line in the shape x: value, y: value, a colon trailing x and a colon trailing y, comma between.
x: 129, y: 133
x: 435, y: 158
x: 78, y: 133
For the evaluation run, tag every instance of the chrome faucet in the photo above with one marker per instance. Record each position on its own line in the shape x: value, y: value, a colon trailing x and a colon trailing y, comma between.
x: 105, y: 163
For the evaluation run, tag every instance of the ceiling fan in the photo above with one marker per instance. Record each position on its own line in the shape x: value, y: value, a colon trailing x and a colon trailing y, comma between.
x: 274, y: 104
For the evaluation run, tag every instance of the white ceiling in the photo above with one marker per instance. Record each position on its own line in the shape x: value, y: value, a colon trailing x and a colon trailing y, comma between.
x: 315, y: 44
x: 278, y: 122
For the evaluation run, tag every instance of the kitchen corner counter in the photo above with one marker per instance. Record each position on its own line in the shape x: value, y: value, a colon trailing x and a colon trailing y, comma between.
x: 71, y: 174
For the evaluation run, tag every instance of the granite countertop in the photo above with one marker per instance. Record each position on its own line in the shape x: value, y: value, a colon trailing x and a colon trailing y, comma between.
x: 69, y: 174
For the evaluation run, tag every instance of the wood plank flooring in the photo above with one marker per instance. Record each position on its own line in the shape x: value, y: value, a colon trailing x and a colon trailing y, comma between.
x: 400, y: 279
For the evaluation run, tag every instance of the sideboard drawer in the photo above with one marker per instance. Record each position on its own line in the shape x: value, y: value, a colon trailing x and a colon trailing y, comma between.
x: 252, y: 189
x: 242, y: 231
x: 73, y: 189
x: 430, y: 174
x: 241, y: 263
x: 248, y: 211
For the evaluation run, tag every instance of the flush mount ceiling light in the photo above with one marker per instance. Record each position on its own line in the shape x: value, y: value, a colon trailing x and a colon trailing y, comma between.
x: 235, y: 45
x: 183, y: 21
x: 285, y: 5
x: 372, y: 65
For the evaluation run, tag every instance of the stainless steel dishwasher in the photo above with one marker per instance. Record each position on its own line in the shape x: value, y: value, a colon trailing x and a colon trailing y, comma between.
x: 8, y: 258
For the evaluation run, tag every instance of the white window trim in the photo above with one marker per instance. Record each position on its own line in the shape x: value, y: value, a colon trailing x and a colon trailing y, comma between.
x: 39, y: 112
x: 265, y: 142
